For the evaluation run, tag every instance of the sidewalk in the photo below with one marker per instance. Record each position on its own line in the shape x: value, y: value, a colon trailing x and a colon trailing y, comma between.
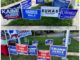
x: 73, y: 53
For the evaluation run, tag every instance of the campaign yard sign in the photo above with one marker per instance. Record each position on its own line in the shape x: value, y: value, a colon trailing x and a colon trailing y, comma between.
x: 61, y: 4
x: 13, y: 12
x: 34, y: 43
x: 26, y: 4
x: 13, y: 41
x: 22, y: 49
x: 39, y: 1
x: 12, y: 50
x: 59, y: 51
x: 3, y: 37
x: 32, y: 50
x: 13, y: 34
x: 64, y: 40
x: 49, y: 11
x: 49, y: 42
x: 68, y: 13
x: 43, y: 55
x: 23, y: 33
x: 32, y: 14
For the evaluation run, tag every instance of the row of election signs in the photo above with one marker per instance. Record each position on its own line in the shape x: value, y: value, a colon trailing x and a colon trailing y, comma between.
x: 58, y: 9
x: 23, y: 49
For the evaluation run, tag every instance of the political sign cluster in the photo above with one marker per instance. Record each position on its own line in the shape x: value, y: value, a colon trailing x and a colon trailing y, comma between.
x: 58, y: 9
x: 26, y: 49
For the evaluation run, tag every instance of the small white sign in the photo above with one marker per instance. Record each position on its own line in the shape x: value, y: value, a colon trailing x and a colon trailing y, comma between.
x: 49, y: 11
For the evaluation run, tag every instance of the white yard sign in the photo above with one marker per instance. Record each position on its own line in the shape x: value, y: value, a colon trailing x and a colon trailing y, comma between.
x: 49, y: 11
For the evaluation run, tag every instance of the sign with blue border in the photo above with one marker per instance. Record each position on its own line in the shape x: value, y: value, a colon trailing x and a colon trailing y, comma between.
x: 32, y: 50
x: 26, y: 4
x: 32, y: 14
x: 13, y: 12
x: 61, y: 4
x: 39, y: 1
x: 49, y: 42
x: 34, y: 43
x: 68, y: 13
x: 12, y: 50
x: 64, y: 40
x: 59, y: 51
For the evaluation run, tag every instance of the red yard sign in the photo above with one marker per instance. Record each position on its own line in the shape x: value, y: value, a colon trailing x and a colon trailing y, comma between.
x: 22, y: 48
x: 43, y: 54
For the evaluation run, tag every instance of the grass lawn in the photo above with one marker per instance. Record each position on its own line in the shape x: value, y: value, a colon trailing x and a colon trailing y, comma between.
x: 7, y: 2
x: 73, y: 47
x: 29, y: 57
x: 44, y: 21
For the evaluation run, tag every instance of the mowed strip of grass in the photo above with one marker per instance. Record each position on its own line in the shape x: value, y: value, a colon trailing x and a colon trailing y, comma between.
x: 34, y: 57
x: 44, y: 21
x: 73, y: 47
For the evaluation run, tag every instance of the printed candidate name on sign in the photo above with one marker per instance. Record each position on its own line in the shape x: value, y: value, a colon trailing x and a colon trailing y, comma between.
x: 49, y: 11
x: 64, y: 40
x: 61, y: 4
x: 13, y: 12
x: 43, y: 55
x: 21, y: 48
x: 32, y: 50
x: 26, y: 4
x: 49, y: 42
x: 39, y: 1
x: 68, y: 13
x: 12, y: 50
x: 23, y: 33
x: 34, y: 43
x: 32, y: 14
x: 59, y: 51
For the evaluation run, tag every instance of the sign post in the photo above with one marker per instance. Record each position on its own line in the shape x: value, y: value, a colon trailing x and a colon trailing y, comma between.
x: 7, y: 45
x: 66, y: 44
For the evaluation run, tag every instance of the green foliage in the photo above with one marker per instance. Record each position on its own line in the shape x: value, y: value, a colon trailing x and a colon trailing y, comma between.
x: 71, y: 6
x: 7, y: 2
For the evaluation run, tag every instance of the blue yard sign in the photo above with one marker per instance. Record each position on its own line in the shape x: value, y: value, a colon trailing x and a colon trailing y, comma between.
x: 31, y: 14
x: 64, y: 40
x: 61, y: 4
x: 49, y: 42
x: 59, y: 51
x: 13, y: 12
x: 13, y: 41
x: 68, y: 13
x: 12, y: 50
x: 39, y: 1
x: 26, y: 4
x: 34, y: 43
x: 32, y: 50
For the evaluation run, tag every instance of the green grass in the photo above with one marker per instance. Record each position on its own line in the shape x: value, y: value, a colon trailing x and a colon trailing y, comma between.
x: 45, y: 21
x: 29, y: 57
x: 73, y: 47
x: 7, y: 2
